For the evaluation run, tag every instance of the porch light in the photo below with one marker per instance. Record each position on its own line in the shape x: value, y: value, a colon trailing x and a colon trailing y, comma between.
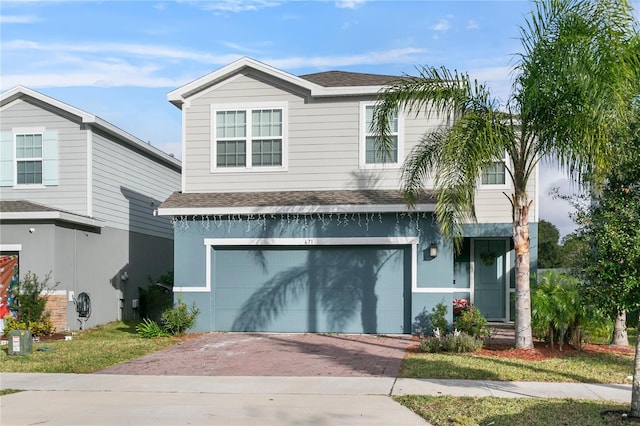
x: 433, y: 250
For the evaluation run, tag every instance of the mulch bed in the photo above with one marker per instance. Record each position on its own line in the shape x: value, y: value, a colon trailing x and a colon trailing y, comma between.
x: 541, y: 351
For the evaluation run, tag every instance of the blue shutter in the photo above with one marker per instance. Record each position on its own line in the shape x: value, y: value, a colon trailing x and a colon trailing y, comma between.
x: 6, y: 159
x: 50, y: 158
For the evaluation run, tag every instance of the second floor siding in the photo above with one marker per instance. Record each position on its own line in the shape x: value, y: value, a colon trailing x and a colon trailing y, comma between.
x: 322, y: 141
x: 128, y: 186
x: 64, y: 145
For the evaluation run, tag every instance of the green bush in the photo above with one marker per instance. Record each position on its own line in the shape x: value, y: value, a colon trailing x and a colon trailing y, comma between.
x: 150, y: 329
x: 155, y: 299
x: 426, y: 323
x: 470, y: 321
x: 29, y: 303
x: 37, y: 328
x: 559, y: 313
x: 454, y: 342
x: 180, y: 318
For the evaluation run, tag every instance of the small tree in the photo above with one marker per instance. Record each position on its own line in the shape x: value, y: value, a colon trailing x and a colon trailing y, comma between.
x: 610, y: 225
x: 29, y: 303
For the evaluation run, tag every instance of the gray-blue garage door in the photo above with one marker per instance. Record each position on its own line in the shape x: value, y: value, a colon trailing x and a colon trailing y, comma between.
x: 347, y: 289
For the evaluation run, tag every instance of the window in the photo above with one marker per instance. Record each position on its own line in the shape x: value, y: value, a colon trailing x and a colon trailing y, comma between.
x: 249, y: 138
x: 370, y: 154
x: 495, y: 173
x: 29, y: 159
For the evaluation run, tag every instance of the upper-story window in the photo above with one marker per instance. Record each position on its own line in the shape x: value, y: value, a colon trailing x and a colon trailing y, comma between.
x: 29, y: 159
x: 495, y: 173
x: 251, y: 137
x: 371, y: 156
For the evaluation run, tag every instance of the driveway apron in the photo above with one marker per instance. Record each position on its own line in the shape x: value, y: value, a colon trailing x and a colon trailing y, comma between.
x: 256, y: 354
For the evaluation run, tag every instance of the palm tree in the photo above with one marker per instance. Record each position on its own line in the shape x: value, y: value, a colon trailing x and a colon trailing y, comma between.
x: 572, y: 88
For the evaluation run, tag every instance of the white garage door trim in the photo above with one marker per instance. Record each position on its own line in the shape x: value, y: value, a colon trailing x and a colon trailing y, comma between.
x: 209, y: 243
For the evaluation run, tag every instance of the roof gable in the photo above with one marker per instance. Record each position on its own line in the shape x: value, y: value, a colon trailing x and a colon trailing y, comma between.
x: 324, y: 84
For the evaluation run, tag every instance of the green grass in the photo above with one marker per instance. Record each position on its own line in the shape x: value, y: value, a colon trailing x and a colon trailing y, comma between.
x: 9, y: 391
x: 90, y: 351
x: 452, y: 411
x: 581, y: 368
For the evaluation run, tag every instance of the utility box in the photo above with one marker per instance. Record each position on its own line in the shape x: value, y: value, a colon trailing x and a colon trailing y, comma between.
x: 20, y: 342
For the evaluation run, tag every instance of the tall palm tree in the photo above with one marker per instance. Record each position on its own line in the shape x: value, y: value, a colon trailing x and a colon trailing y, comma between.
x: 572, y: 88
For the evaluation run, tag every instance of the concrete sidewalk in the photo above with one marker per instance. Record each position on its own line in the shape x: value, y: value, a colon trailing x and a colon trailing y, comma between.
x: 78, y: 399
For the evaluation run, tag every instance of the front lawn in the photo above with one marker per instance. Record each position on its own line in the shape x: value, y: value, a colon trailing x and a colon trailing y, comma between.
x: 581, y: 367
x: 454, y: 411
x: 91, y: 350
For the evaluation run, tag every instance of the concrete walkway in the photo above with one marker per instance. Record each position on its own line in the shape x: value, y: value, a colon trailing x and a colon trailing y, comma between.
x: 109, y: 399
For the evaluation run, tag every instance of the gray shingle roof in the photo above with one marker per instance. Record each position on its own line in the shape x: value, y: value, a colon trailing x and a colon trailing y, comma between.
x: 289, y: 199
x: 23, y: 206
x: 344, y: 78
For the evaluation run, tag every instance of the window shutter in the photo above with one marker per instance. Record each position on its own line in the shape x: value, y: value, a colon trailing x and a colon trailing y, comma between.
x: 6, y: 159
x: 50, y: 158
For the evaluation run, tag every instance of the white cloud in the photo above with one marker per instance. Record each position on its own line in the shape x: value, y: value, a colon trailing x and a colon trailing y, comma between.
x: 442, y: 25
x: 349, y: 4
x: 19, y: 19
x: 472, y: 24
x: 236, y: 6
x: 405, y: 55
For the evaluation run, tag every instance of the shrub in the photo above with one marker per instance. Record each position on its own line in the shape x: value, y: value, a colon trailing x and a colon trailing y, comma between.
x: 180, y: 318
x: 155, y: 299
x: 150, y: 329
x: 37, y: 328
x: 29, y: 304
x: 453, y: 342
x: 426, y: 323
x: 469, y: 320
x: 559, y: 312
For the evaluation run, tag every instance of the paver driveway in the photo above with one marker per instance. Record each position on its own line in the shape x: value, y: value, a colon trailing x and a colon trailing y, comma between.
x: 249, y: 354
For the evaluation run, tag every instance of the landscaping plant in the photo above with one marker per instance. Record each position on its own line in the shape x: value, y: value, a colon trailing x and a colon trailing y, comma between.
x: 431, y: 323
x: 29, y: 305
x: 180, y: 318
x: 470, y: 320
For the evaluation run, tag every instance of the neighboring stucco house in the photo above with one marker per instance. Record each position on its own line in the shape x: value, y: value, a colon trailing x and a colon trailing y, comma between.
x: 77, y: 197
x: 289, y: 220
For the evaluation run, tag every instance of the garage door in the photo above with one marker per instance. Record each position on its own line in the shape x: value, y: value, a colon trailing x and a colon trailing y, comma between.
x: 353, y: 289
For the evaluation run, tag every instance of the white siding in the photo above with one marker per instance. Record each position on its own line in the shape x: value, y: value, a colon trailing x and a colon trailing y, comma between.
x: 128, y: 186
x: 71, y: 191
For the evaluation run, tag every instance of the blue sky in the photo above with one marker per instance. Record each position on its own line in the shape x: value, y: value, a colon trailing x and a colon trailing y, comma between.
x: 119, y: 59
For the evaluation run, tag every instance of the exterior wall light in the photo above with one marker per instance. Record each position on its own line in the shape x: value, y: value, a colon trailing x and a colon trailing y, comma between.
x: 431, y: 252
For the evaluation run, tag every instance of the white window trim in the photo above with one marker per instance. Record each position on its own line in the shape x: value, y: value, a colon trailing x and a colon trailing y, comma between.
x: 363, y: 131
x: 27, y: 131
x: 507, y: 178
x: 248, y: 107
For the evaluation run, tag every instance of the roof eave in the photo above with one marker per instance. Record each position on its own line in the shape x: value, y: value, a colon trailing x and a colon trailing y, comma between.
x: 303, y: 209
x: 53, y: 215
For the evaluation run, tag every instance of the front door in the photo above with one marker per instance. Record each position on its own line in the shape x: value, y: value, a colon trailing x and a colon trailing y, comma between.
x: 489, y: 278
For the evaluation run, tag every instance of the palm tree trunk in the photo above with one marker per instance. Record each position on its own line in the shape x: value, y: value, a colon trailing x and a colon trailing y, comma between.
x: 620, y: 337
x: 635, y: 387
x: 524, y: 337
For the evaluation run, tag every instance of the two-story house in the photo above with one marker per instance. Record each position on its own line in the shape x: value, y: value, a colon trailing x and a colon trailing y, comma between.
x: 77, y: 201
x: 290, y: 220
